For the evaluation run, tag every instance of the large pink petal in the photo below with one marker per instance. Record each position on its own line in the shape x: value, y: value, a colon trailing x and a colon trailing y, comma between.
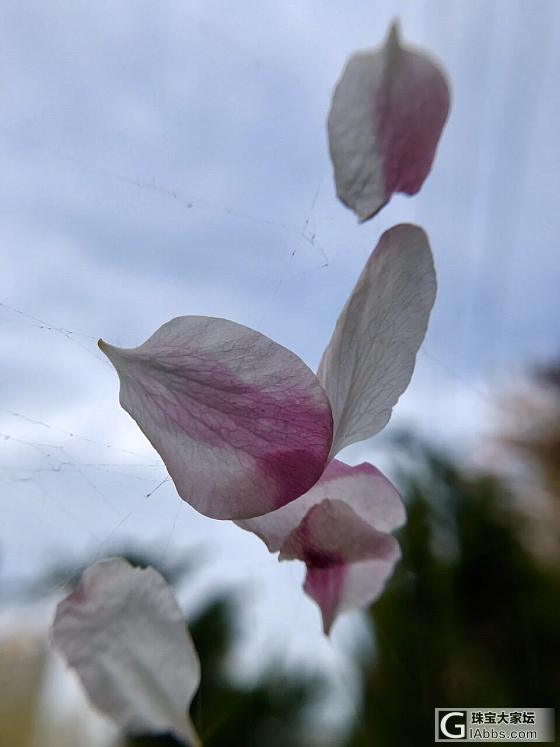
x: 123, y: 633
x: 333, y: 541
x: 242, y: 424
x: 387, y: 114
x: 371, y: 495
x: 370, y: 359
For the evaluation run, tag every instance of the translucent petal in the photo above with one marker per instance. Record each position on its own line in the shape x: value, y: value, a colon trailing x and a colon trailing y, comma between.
x: 242, y: 424
x: 333, y: 540
x: 370, y: 359
x: 363, y: 487
x: 340, y: 530
x: 386, y: 118
x: 123, y: 633
x: 349, y: 587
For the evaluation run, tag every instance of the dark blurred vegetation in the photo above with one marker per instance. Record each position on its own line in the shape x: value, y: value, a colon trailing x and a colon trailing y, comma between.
x: 471, y: 617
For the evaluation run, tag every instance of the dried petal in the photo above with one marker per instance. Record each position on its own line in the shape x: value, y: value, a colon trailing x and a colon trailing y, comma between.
x: 370, y: 359
x: 387, y: 114
x: 242, y: 424
x: 123, y: 633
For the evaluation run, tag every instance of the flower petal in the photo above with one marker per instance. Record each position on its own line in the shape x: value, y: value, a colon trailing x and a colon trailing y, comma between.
x: 386, y: 117
x: 363, y: 487
x: 331, y: 539
x: 242, y: 424
x: 347, y: 587
x: 125, y: 636
x: 332, y: 533
x: 370, y: 359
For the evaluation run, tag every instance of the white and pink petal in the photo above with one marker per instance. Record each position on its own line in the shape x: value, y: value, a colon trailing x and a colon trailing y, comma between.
x: 370, y: 358
x: 123, y: 633
x: 241, y: 423
x: 363, y: 487
x: 337, y: 546
x: 353, y: 586
x: 386, y: 118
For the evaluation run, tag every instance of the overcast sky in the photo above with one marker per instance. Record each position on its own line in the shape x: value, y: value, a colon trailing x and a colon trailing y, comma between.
x: 170, y: 158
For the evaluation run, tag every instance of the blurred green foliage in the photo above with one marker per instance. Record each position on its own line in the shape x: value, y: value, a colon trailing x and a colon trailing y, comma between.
x: 271, y: 712
x: 471, y: 617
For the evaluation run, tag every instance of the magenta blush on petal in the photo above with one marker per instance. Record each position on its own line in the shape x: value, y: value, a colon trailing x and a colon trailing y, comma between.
x: 363, y: 487
x: 324, y: 585
x: 411, y: 108
x: 242, y: 424
x: 387, y: 114
x: 340, y: 530
x: 289, y: 470
x: 331, y: 540
x: 332, y: 532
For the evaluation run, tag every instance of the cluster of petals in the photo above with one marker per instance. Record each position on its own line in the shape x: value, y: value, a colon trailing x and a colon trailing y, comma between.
x: 248, y: 432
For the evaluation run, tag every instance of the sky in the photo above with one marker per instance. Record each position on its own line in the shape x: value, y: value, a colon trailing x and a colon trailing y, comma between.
x: 171, y: 158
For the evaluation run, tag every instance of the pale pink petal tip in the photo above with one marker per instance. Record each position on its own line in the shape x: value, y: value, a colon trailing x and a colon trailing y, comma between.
x: 123, y: 633
x: 386, y: 118
x: 335, y: 543
x: 241, y: 423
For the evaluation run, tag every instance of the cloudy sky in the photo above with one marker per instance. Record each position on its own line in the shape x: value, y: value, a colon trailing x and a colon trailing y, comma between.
x: 161, y: 159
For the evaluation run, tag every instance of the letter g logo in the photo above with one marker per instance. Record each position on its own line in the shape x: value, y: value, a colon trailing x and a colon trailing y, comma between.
x: 452, y: 725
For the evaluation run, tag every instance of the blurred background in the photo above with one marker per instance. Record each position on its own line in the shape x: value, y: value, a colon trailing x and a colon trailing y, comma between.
x: 171, y: 158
